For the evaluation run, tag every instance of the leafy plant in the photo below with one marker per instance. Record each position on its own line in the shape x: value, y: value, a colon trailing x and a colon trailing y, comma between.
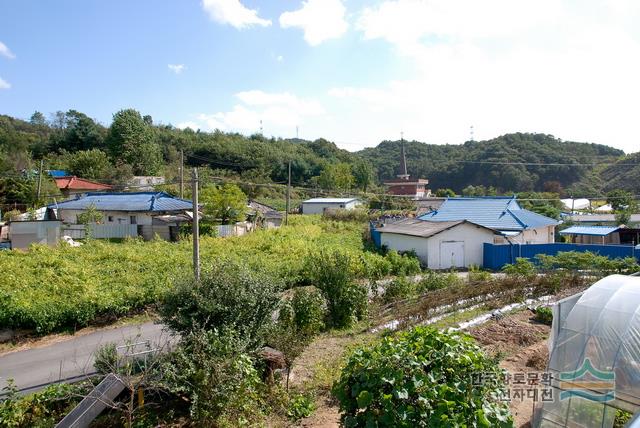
x: 422, y: 377
x: 435, y: 281
x: 300, y: 406
x: 544, y: 315
x: 399, y: 288
x: 522, y: 268
x: 228, y: 295
x: 346, y: 300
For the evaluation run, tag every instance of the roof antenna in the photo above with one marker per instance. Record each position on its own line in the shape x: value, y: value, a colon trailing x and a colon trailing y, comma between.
x: 403, y: 160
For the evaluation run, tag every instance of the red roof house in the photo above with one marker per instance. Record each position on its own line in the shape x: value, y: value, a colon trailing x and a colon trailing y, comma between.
x: 70, y: 186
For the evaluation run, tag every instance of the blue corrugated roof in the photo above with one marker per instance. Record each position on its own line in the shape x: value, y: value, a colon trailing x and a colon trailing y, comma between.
x: 138, y: 201
x: 57, y: 173
x: 589, y: 230
x: 500, y: 213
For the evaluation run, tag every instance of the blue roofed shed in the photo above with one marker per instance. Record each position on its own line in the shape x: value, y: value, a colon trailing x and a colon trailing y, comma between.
x: 499, y: 213
x: 592, y: 234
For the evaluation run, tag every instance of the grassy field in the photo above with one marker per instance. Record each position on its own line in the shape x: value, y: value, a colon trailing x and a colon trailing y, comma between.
x: 49, y: 289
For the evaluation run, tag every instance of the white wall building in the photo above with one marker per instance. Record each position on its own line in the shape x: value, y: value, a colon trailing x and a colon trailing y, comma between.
x: 439, y: 245
x: 318, y: 205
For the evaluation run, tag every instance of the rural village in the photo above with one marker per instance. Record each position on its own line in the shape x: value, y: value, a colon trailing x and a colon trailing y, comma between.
x: 222, y: 272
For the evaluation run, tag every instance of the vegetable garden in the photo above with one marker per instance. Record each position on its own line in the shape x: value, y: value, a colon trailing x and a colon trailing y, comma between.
x: 47, y: 289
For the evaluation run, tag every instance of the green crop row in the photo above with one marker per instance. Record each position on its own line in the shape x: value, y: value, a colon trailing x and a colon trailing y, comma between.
x: 48, y: 289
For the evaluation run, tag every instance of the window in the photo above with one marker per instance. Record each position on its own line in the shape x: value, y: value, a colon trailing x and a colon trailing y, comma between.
x: 133, y: 220
x: 110, y: 218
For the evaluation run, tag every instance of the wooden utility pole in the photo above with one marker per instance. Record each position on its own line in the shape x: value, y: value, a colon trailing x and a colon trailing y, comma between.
x: 196, y: 225
x: 39, y: 181
x: 181, y: 174
x: 286, y: 213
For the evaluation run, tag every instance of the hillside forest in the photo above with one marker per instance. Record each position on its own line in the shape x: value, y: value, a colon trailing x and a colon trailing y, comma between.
x: 134, y: 145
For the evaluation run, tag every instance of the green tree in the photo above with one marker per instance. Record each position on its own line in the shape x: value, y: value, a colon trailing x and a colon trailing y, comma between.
x: 363, y: 174
x: 92, y: 164
x: 443, y: 193
x: 336, y: 177
x: 131, y: 139
x: 620, y: 199
x: 228, y: 203
x: 38, y: 119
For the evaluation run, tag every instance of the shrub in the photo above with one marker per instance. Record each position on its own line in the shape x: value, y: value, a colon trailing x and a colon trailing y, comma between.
x: 359, y: 215
x: 476, y: 274
x: 309, y: 309
x: 544, y: 315
x: 399, y: 288
x: 229, y: 295
x: 106, y: 358
x: 422, y: 377
x: 41, y: 409
x: 522, y: 268
x: 405, y: 264
x: 576, y: 261
x: 346, y: 300
x: 375, y: 266
x: 435, y: 281
x: 300, y: 406
x: 215, y: 372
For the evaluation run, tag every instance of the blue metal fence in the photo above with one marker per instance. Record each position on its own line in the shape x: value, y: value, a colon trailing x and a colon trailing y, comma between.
x: 376, y: 236
x: 496, y: 256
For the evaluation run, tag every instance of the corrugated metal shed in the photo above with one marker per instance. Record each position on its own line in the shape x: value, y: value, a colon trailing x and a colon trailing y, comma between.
x: 589, y: 230
x: 138, y: 201
x: 421, y: 228
x: 498, y: 213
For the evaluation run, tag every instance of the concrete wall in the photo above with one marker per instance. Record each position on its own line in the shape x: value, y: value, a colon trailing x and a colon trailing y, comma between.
x: 109, y: 217
x: 318, y: 208
x: 428, y: 249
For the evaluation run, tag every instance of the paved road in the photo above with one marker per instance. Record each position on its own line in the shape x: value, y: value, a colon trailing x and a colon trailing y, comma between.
x: 32, y: 368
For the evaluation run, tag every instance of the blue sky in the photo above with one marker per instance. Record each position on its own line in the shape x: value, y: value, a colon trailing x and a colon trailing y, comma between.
x: 355, y: 72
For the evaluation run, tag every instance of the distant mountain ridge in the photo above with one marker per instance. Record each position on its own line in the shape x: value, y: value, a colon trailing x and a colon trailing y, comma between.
x: 511, y: 162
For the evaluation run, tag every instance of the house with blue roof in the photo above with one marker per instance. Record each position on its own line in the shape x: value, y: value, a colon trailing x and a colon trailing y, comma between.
x: 154, y: 213
x: 502, y: 214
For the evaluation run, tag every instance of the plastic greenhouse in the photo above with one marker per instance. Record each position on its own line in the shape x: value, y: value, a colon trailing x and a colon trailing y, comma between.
x: 594, y: 356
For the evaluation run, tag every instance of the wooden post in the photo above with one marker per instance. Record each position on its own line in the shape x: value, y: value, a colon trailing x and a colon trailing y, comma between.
x: 196, y: 225
x: 181, y: 174
x: 39, y: 181
x: 286, y: 214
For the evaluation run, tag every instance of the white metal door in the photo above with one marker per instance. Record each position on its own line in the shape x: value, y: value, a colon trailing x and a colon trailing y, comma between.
x: 451, y: 254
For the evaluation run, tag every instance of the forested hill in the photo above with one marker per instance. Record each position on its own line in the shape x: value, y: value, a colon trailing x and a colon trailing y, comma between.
x: 504, y: 162
x: 134, y: 145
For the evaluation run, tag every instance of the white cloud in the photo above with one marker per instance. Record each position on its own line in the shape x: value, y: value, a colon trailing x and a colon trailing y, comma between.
x: 503, y: 65
x: 4, y: 84
x: 177, y: 68
x: 279, y: 58
x: 320, y: 20
x: 189, y: 124
x: 280, y: 113
x: 234, y: 13
x: 5, y: 51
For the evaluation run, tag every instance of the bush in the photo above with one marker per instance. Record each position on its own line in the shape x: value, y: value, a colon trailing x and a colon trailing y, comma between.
x: 435, y: 281
x: 399, y: 288
x: 359, y: 215
x: 576, y: 261
x: 405, y: 264
x: 478, y: 275
x: 544, y: 315
x: 422, y: 377
x: 229, y: 295
x: 106, y: 359
x: 300, y: 406
x: 347, y: 301
x: 309, y: 310
x: 214, y: 371
x: 522, y: 268
x: 41, y: 409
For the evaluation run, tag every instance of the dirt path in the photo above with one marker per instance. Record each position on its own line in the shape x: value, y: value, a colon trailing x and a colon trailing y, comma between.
x: 522, y: 343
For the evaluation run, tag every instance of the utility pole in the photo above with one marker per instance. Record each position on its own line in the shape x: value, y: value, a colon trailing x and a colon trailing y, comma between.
x: 286, y: 214
x: 196, y: 225
x: 181, y: 174
x: 39, y: 181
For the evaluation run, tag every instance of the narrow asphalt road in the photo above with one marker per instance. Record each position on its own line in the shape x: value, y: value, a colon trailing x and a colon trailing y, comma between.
x: 32, y: 368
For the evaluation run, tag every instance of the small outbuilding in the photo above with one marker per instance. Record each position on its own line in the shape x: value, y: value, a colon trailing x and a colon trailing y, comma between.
x: 439, y: 244
x: 592, y: 234
x: 319, y: 205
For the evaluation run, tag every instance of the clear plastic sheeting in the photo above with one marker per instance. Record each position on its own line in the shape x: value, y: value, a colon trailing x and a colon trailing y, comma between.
x: 594, y: 356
